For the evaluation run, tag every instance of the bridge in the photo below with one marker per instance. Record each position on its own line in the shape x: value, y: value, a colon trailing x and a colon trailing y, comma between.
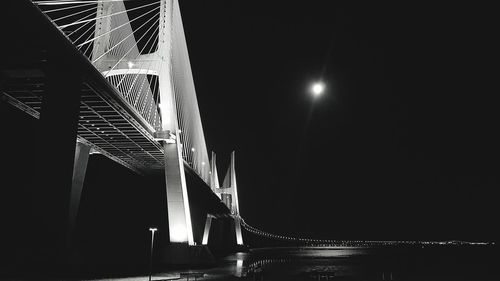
x: 113, y: 77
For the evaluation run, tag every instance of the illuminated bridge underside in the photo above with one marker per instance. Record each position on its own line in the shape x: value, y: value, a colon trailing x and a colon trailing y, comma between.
x: 103, y: 124
x: 108, y: 121
x: 125, y: 86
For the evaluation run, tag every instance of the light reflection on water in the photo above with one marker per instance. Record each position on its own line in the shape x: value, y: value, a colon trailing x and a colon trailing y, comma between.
x: 295, y: 264
x: 352, y: 264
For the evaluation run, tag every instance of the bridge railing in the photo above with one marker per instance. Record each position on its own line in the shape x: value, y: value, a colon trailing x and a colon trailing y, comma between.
x: 349, y: 243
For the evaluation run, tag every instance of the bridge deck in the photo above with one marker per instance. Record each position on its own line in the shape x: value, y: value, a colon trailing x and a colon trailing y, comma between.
x: 107, y: 122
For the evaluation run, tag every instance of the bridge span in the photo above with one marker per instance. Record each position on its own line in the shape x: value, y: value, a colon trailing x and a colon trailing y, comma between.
x: 113, y: 77
x: 117, y: 83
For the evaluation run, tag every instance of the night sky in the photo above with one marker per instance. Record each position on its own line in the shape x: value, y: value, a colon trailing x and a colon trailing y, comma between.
x: 403, y: 145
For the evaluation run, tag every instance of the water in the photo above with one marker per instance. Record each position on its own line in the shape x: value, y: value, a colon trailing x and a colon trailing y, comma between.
x: 433, y: 263
x: 440, y: 263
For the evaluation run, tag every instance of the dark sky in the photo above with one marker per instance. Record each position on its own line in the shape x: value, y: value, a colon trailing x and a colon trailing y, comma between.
x: 403, y: 145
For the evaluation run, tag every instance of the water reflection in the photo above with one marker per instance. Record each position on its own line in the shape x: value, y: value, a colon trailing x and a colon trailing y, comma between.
x: 353, y: 264
x: 239, y: 268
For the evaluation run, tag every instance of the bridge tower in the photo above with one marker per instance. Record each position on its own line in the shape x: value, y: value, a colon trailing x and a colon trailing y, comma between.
x: 214, y: 185
x: 228, y: 193
x: 179, y: 216
x: 158, y: 63
x: 175, y: 100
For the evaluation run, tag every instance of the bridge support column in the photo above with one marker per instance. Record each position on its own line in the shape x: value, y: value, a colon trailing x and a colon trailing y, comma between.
x: 237, y: 230
x: 179, y: 217
x: 182, y: 249
x: 206, y: 231
x: 56, y: 137
x: 79, y: 168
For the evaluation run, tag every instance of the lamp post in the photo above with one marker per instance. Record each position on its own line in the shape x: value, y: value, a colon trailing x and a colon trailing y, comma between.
x: 152, y: 229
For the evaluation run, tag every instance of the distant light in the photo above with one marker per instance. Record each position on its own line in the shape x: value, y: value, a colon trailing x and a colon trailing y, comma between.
x: 202, y: 163
x: 318, y: 88
x: 192, y: 149
x: 130, y: 64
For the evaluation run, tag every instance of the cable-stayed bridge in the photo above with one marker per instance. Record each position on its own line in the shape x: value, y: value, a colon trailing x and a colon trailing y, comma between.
x: 115, y: 75
x: 133, y: 61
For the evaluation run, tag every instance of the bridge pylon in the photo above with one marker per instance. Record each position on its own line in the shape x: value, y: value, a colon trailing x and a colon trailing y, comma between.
x: 157, y: 63
x: 175, y: 100
x: 179, y: 215
x: 228, y: 193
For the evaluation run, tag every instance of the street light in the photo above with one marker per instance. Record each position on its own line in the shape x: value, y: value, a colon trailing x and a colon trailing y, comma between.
x: 152, y: 229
